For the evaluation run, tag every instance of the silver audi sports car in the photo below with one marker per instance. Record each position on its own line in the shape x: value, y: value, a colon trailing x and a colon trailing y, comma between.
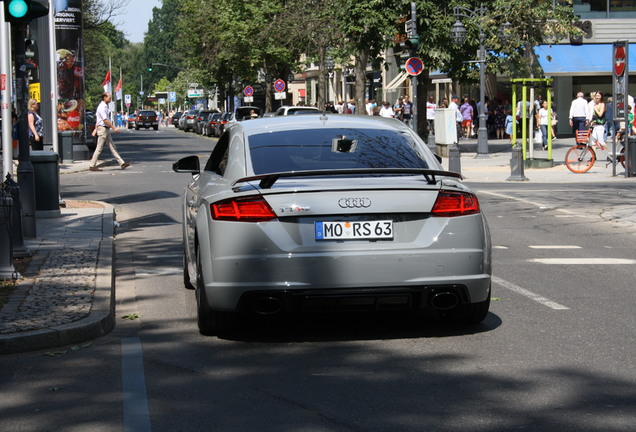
x: 325, y: 212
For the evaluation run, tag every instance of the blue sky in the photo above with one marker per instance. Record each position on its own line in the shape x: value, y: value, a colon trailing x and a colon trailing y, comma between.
x: 134, y: 21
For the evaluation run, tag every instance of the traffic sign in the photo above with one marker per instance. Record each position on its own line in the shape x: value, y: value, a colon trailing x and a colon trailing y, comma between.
x: 619, y: 60
x: 172, y: 96
x: 248, y: 91
x: 414, y: 66
x: 279, y: 85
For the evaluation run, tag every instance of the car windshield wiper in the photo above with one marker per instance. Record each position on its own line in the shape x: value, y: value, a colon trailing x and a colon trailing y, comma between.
x: 268, y: 180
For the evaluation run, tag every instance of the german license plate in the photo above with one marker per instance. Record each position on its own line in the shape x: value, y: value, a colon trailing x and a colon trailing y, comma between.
x: 358, y: 230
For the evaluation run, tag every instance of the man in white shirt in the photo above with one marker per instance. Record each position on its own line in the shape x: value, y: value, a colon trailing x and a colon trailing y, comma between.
x: 430, y: 112
x: 578, y: 112
x: 102, y: 130
x: 458, y: 115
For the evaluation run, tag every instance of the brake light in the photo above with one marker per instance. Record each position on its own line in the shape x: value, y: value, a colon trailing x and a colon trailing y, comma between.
x: 247, y: 209
x: 451, y: 203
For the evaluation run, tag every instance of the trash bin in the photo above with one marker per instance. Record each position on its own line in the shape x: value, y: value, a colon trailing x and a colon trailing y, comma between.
x: 46, y: 177
x: 65, y: 142
x: 630, y: 157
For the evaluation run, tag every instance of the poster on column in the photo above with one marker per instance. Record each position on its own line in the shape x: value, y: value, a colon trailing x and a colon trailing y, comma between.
x: 70, y: 65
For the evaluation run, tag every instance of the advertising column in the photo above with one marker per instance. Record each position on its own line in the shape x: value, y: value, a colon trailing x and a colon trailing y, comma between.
x: 69, y: 61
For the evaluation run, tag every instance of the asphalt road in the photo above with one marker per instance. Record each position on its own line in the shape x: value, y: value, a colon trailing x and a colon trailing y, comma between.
x: 555, y: 353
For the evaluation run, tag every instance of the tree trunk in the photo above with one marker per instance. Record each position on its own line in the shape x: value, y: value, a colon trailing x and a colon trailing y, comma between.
x: 361, y: 68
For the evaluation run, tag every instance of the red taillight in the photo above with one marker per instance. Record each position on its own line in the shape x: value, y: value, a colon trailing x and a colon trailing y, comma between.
x: 249, y: 209
x: 450, y: 204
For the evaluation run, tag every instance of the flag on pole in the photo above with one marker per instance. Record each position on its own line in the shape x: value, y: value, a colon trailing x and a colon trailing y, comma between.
x: 106, y: 83
x: 118, y: 90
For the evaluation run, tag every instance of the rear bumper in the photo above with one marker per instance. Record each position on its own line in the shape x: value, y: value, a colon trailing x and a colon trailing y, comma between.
x: 358, y: 300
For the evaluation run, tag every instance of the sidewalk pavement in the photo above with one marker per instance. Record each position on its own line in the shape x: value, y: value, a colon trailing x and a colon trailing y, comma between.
x: 66, y: 295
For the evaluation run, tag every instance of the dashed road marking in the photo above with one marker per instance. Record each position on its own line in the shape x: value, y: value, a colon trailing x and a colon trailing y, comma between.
x: 554, y: 247
x: 583, y: 261
x: 533, y: 296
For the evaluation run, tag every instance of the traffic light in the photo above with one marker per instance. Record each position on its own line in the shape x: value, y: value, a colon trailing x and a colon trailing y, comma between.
x: 412, y: 43
x: 20, y: 11
x: 149, y: 67
x: 405, y: 50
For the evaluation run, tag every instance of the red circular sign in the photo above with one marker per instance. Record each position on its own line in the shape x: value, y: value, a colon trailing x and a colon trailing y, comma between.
x: 619, y: 61
x: 414, y: 66
x: 248, y: 91
x: 279, y: 85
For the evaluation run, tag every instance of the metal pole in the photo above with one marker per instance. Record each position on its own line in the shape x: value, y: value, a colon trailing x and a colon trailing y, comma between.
x: 26, y: 178
x: 414, y: 78
x: 6, y: 96
x: 482, y: 132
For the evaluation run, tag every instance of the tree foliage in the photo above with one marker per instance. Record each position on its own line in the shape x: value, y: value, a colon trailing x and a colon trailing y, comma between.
x: 233, y: 43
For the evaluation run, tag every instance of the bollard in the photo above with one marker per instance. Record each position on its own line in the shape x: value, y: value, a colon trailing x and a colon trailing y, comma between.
x: 7, y: 271
x: 517, y: 165
x: 454, y: 159
x: 19, y: 248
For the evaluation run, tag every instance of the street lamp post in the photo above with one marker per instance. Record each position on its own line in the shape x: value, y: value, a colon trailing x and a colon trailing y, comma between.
x: 458, y: 34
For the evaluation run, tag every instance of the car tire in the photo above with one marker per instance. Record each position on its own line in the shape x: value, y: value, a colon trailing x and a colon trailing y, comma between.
x: 186, y: 277
x: 156, y: 128
x: 136, y: 127
x: 210, y: 322
x: 469, y: 314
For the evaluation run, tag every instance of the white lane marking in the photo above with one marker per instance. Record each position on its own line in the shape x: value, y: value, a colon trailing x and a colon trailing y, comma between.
x: 135, y: 399
x: 158, y: 271
x: 532, y: 296
x: 583, y: 261
x: 164, y: 256
x: 500, y: 247
x: 554, y: 247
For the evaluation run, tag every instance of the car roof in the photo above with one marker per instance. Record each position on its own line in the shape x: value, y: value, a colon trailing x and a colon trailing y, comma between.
x: 319, y: 120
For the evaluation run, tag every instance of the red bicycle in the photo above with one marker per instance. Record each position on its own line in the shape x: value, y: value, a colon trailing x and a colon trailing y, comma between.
x: 581, y: 157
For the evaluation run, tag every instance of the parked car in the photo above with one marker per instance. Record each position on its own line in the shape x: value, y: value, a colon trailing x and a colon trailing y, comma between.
x: 201, y: 118
x: 132, y: 120
x: 209, y: 125
x: 241, y: 114
x: 188, y: 120
x: 175, y: 118
x: 330, y: 213
x: 219, y: 127
x: 147, y: 119
x: 291, y: 110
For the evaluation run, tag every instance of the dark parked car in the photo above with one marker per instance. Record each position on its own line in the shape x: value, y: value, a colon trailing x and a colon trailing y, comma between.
x: 220, y: 125
x: 202, y: 117
x: 209, y: 125
x: 314, y: 214
x: 147, y: 119
x: 175, y: 118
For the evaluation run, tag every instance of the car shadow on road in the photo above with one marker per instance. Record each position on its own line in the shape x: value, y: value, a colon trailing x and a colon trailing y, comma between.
x: 350, y: 327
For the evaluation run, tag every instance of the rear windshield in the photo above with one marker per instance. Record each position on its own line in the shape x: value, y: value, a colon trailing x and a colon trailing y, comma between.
x: 147, y: 113
x: 325, y: 149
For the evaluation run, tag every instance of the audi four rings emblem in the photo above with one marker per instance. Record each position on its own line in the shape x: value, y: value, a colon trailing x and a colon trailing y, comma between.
x: 354, y: 202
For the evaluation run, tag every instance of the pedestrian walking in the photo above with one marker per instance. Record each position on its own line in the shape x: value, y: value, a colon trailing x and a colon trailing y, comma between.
x: 36, y: 127
x: 102, y: 129
x: 407, y: 111
x: 458, y: 115
x: 431, y: 106
x: 386, y: 110
x: 596, y: 118
x: 543, y: 122
x: 467, y: 111
x: 578, y: 113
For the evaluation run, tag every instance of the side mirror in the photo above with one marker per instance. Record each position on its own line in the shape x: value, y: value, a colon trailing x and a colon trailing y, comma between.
x: 189, y: 164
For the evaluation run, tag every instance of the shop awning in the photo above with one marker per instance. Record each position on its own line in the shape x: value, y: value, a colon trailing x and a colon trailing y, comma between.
x: 397, y: 81
x: 581, y: 60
